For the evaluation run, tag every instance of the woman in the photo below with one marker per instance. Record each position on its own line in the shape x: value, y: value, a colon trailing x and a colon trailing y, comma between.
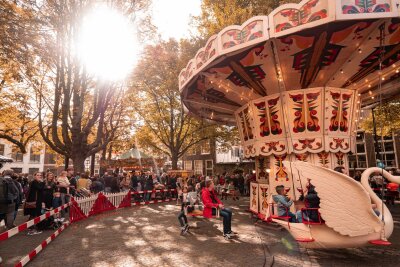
x: 211, y: 203
x: 49, y: 189
x: 34, y: 201
x: 125, y: 183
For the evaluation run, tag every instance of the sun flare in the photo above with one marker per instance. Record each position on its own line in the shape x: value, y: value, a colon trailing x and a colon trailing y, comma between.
x: 107, y: 44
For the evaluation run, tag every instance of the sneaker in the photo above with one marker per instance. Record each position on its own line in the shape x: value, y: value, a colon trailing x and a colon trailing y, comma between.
x: 186, y: 228
x: 232, y: 233
x: 183, y: 232
x: 228, y: 236
x: 34, y: 232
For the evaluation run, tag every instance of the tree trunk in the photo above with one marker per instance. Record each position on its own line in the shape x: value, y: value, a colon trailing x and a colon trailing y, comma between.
x: 110, y: 151
x: 79, y: 162
x: 66, y: 163
x: 174, y: 162
x: 92, y: 162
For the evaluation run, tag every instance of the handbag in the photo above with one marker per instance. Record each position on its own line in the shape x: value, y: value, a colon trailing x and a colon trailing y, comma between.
x: 31, y: 204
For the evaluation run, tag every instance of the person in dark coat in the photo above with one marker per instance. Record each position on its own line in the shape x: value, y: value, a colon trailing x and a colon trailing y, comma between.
x: 312, y: 204
x: 49, y: 189
x: 35, y: 194
x: 148, y: 186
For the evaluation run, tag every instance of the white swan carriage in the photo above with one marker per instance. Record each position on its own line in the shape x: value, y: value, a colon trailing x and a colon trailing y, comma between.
x: 346, y: 209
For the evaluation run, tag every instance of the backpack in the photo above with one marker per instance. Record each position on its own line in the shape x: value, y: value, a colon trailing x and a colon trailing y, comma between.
x: 10, y: 190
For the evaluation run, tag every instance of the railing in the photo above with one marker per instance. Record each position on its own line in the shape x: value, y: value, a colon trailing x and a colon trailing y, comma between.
x: 82, y: 208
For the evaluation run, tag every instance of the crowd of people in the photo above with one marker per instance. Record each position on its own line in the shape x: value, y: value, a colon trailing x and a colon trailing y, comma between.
x: 46, y: 190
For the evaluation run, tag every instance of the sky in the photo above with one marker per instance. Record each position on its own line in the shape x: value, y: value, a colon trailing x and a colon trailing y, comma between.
x: 172, y: 17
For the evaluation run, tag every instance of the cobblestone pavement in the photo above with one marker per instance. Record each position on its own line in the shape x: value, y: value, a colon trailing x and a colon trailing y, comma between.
x: 149, y: 236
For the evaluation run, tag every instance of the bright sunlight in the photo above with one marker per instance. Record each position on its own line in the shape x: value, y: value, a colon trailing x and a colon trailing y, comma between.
x: 107, y: 44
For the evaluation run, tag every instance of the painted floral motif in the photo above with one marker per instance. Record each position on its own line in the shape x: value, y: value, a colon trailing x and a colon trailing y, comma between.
x: 302, y: 157
x: 261, y: 168
x: 307, y: 143
x: 250, y: 149
x: 272, y: 146
x: 273, y: 114
x: 247, y: 120
x: 300, y: 120
x: 301, y: 16
x: 210, y: 50
x: 338, y: 143
x: 323, y: 159
x: 245, y: 35
x: 344, y: 121
x: 306, y: 108
x: 254, y: 195
x: 281, y: 173
x: 335, y: 119
x: 270, y: 113
x: 264, y: 195
x: 312, y: 120
x: 339, y: 158
x: 262, y: 114
x: 366, y: 6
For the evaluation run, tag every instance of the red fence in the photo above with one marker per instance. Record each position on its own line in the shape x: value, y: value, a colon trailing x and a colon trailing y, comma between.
x: 82, y: 208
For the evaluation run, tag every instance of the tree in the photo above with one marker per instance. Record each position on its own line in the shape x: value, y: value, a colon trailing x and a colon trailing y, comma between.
x: 18, y: 124
x: 387, y: 119
x: 216, y: 15
x: 78, y: 114
x: 164, y: 126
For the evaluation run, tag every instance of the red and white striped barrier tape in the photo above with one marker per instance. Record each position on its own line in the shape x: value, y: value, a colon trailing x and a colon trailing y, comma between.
x: 26, y: 225
x: 39, y: 248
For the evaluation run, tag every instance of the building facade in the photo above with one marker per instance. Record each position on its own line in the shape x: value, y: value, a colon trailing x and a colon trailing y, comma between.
x: 366, y: 154
x: 30, y: 162
x: 38, y: 158
x: 208, y: 159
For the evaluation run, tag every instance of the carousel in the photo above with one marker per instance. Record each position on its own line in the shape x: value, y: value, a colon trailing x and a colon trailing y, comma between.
x: 294, y: 83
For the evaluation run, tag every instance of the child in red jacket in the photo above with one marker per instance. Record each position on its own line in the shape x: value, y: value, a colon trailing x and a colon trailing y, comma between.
x: 211, y: 202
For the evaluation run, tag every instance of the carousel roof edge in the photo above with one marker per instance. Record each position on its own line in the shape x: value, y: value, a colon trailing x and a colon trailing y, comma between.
x: 262, y: 28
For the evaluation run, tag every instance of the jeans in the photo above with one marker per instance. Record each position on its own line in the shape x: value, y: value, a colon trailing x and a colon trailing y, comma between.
x: 226, y: 215
x: 182, y: 218
x: 292, y: 216
x: 147, y: 196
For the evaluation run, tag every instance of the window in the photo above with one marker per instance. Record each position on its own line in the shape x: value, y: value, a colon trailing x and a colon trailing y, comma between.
x: 51, y: 158
x: 205, y: 147
x: 188, y: 165
x: 359, y: 159
x: 97, y: 159
x: 387, y: 151
x: 17, y: 170
x: 235, y: 152
x: 209, y: 167
x: 16, y: 155
x: 35, y: 154
x: 33, y: 170
x: 2, y: 147
x: 198, y: 167
x: 191, y: 151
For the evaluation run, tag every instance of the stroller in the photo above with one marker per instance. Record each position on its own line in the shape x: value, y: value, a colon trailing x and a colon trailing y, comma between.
x: 49, y: 223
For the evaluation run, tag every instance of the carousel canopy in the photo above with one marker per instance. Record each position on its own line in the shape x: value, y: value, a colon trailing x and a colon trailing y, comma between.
x: 134, y: 154
x: 352, y: 44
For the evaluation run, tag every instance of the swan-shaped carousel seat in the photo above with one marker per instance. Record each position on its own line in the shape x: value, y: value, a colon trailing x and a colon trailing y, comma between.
x: 345, y: 207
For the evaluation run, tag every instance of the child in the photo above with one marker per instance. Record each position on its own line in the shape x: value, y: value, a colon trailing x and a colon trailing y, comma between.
x: 284, y: 203
x: 181, y: 216
x: 232, y: 191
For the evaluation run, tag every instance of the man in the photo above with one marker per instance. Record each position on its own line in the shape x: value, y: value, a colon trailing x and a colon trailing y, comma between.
x: 8, y: 197
x: 284, y: 203
x: 73, y: 180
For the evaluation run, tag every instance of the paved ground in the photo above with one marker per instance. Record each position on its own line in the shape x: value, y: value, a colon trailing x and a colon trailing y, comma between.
x: 149, y: 236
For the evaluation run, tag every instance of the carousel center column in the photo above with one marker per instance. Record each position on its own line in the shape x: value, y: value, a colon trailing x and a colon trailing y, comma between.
x: 315, y: 125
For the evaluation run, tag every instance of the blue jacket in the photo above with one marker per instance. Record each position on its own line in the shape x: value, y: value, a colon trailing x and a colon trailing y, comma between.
x: 283, y: 204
